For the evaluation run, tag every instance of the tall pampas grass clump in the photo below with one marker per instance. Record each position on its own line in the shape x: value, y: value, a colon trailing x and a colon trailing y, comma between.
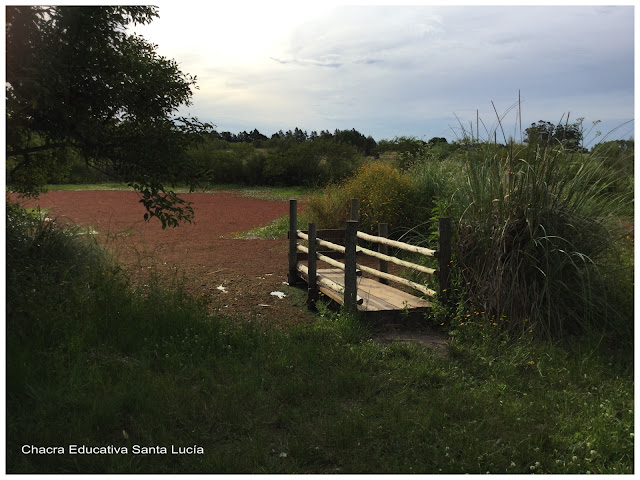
x: 536, y: 238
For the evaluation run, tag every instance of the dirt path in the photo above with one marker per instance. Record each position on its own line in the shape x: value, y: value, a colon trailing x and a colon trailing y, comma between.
x: 236, y: 275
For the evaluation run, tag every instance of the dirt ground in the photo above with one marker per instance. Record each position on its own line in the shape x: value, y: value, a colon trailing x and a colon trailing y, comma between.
x: 238, y: 276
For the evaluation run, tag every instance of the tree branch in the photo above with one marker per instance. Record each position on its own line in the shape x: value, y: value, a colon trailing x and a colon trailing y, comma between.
x: 39, y: 148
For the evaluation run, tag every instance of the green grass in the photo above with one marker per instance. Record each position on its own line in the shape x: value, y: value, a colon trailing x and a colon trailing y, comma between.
x: 277, y: 228
x: 90, y: 186
x: 274, y: 229
x: 104, y: 186
x: 271, y: 193
x: 93, y: 361
x: 261, y: 192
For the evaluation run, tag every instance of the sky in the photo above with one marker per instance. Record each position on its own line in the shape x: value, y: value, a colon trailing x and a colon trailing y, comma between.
x: 423, y: 71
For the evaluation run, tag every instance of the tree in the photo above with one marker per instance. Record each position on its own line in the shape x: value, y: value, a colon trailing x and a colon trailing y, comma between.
x: 228, y: 137
x: 300, y: 135
x: 365, y: 145
x: 436, y: 140
x: 255, y: 135
x: 77, y: 79
x: 568, y: 134
x: 403, y: 144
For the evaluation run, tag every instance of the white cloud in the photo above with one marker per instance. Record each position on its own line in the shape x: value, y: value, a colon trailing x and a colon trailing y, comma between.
x: 378, y: 69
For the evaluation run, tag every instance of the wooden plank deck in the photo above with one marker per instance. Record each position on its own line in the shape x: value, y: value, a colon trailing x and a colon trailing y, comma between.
x: 377, y: 297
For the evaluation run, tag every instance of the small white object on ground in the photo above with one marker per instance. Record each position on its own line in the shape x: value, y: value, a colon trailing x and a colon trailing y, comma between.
x: 222, y: 288
x: 279, y: 294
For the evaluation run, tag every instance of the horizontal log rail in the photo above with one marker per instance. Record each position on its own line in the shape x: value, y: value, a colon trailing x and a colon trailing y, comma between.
x: 393, y: 278
x: 397, y: 261
x: 394, y: 243
x: 324, y: 258
x: 351, y: 268
x: 322, y: 243
x: 371, y: 253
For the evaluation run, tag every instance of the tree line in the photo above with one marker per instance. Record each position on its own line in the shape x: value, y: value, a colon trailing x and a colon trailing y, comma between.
x: 364, y: 144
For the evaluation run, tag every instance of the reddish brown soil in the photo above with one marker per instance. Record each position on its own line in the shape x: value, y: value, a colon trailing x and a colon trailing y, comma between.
x: 205, y: 254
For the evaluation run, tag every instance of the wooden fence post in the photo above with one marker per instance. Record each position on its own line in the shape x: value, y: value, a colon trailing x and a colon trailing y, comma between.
x: 312, y: 293
x: 354, y: 209
x: 444, y: 257
x: 383, y: 231
x: 350, y: 278
x: 293, y: 242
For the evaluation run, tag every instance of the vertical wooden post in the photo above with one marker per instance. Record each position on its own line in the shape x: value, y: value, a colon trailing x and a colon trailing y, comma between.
x: 293, y: 242
x: 354, y: 209
x: 350, y: 278
x: 444, y: 257
x: 312, y: 293
x: 383, y: 231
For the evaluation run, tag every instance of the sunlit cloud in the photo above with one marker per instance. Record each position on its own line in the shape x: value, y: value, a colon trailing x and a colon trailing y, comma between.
x: 390, y: 71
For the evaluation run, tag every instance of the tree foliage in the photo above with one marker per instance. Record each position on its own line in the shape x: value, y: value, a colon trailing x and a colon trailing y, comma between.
x: 77, y: 79
x: 568, y: 134
x: 365, y: 145
x: 401, y: 145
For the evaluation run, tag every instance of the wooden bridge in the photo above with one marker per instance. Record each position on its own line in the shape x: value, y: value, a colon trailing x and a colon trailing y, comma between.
x: 343, y: 281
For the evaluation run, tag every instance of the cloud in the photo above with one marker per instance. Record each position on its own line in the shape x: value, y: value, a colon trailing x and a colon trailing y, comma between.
x: 382, y: 69
x: 304, y: 63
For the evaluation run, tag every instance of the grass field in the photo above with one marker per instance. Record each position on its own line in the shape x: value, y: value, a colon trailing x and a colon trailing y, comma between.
x: 263, y: 192
x: 94, y: 361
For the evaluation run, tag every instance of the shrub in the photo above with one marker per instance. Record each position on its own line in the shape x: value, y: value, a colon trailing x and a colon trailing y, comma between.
x: 430, y: 153
x: 253, y: 168
x: 281, y: 169
x: 336, y: 160
x: 44, y: 263
x: 385, y: 194
x: 617, y: 156
x: 311, y: 163
x: 401, y: 145
x: 331, y: 208
x: 222, y: 161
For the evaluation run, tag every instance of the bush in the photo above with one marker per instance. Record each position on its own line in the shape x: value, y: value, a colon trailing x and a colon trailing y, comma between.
x: 222, y: 161
x: 282, y: 169
x: 311, y: 163
x: 430, y: 153
x: 331, y: 208
x: 253, y: 168
x: 401, y: 145
x: 56, y: 166
x: 617, y: 156
x: 385, y: 195
x: 46, y: 266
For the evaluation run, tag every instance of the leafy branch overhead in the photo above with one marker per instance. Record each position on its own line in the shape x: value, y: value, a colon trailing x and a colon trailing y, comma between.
x: 78, y: 80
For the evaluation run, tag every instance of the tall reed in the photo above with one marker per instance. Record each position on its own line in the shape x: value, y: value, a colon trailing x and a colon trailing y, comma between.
x: 535, y: 237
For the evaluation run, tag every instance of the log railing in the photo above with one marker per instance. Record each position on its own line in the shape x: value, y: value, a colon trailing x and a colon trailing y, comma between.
x: 351, y: 268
